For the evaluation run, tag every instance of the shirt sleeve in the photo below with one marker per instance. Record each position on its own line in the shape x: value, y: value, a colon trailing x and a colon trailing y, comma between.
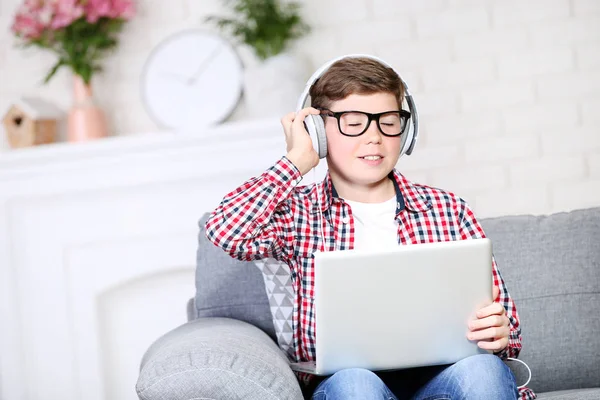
x: 255, y: 221
x: 471, y: 229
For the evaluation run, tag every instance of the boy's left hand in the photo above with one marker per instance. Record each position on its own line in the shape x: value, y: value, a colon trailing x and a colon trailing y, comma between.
x: 491, y: 327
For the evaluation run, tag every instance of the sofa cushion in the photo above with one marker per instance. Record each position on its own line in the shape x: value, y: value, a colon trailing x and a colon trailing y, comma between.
x: 577, y: 394
x: 551, y: 267
x: 229, y: 288
x: 280, y: 291
x: 216, y: 358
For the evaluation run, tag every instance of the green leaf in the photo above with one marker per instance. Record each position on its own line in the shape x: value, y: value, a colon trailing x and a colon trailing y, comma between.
x: 53, y: 70
x: 265, y: 25
x: 81, y: 45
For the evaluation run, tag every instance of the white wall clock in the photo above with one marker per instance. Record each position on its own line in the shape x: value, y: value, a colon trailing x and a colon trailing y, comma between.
x: 192, y: 79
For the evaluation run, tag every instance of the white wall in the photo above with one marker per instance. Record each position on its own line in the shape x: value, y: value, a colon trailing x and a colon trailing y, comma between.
x: 508, y: 91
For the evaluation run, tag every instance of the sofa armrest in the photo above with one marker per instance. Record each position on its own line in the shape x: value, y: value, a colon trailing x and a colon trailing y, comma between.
x: 216, y: 358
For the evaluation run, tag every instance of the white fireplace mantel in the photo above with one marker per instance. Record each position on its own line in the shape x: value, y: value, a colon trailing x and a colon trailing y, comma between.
x: 97, y: 250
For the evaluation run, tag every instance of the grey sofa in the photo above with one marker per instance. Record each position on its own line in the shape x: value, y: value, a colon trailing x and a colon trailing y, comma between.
x: 551, y: 265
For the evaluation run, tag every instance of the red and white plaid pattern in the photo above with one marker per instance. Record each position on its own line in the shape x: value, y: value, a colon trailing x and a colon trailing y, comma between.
x: 271, y: 216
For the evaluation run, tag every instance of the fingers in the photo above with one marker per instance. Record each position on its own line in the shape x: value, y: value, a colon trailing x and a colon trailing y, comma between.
x: 286, y: 122
x: 308, y: 110
x: 291, y: 117
x: 495, y: 345
x: 492, y: 309
x: 494, y: 332
x: 287, y: 119
x: 302, y: 114
x: 492, y: 320
x: 495, y: 292
x: 492, y: 326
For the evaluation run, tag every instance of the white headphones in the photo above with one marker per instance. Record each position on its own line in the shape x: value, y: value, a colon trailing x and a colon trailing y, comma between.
x: 316, y: 127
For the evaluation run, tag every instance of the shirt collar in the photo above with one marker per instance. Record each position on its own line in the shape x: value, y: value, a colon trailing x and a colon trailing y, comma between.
x: 408, y: 195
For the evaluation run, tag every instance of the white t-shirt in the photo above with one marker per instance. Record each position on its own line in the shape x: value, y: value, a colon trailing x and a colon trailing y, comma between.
x: 375, y: 225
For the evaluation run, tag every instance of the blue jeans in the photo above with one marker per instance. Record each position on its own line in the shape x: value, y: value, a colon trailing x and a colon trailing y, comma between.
x: 482, y: 376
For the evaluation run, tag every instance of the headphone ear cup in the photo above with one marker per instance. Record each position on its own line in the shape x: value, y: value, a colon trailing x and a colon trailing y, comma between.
x: 316, y: 129
x: 407, y: 139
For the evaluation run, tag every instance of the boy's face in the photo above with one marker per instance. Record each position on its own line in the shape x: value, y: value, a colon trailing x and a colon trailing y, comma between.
x: 346, y: 154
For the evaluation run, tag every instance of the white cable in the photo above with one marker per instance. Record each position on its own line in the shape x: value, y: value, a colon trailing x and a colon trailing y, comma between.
x: 320, y: 214
x: 528, y: 370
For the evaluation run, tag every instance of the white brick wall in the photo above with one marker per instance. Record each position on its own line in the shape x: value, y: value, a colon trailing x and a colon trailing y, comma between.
x: 594, y: 165
x: 508, y: 91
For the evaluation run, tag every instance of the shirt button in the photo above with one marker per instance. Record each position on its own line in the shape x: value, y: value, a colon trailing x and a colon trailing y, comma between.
x: 346, y: 219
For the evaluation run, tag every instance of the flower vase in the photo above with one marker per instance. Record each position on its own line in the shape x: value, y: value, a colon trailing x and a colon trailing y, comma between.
x: 86, y: 119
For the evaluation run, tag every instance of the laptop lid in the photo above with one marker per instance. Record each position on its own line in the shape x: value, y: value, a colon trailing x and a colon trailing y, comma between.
x: 402, y: 307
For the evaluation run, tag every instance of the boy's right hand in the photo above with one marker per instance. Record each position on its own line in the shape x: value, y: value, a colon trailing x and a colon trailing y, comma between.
x: 300, y: 149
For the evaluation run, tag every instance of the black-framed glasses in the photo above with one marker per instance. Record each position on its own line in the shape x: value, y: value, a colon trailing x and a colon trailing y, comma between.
x: 355, y: 123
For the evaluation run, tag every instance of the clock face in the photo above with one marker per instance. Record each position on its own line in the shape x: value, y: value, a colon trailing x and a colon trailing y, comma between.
x: 193, y: 79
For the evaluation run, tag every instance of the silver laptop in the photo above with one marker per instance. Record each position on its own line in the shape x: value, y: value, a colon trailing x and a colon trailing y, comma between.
x: 402, y: 307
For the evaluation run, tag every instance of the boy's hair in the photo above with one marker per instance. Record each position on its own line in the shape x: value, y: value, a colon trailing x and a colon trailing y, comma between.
x: 356, y: 75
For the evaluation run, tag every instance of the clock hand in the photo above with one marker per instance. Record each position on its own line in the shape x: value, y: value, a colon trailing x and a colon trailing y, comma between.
x: 204, y: 65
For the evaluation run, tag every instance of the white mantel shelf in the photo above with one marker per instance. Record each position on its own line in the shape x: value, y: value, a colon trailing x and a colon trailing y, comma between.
x: 41, y: 157
x: 98, y: 248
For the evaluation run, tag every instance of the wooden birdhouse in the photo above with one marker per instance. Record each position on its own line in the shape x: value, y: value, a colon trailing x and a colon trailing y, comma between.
x: 30, y: 122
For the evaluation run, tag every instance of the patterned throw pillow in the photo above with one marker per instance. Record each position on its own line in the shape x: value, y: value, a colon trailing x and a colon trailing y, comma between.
x: 278, y: 285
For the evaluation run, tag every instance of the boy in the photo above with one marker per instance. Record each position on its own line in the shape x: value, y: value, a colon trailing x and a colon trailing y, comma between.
x: 364, y: 202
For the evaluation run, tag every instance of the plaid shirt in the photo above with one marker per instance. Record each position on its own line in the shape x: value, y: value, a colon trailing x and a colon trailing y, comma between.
x: 271, y: 216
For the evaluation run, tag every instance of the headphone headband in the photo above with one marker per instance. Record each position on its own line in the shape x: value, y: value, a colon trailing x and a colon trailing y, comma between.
x: 322, y: 69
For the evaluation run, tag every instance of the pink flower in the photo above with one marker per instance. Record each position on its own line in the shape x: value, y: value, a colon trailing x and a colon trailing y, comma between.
x: 65, y: 12
x: 32, y: 5
x: 38, y: 21
x: 43, y: 23
x: 31, y: 19
x: 27, y: 27
x: 35, y: 16
x: 96, y: 9
x: 124, y: 9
